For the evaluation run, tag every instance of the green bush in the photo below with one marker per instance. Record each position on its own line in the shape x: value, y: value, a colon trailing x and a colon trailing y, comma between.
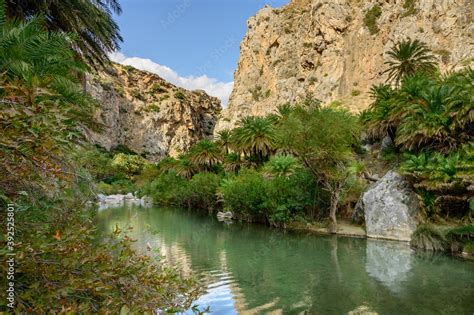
x: 201, y: 192
x: 121, y: 186
x: 278, y: 200
x: 355, y: 92
x: 166, y: 189
x: 370, y: 19
x: 128, y: 164
x: 289, y: 197
x: 245, y: 194
x: 156, y: 88
x: 180, y: 95
x: 60, y: 265
x: 409, y: 6
x: 428, y: 237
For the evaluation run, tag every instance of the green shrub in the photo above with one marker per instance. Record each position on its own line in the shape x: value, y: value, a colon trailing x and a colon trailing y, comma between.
x: 201, y: 192
x: 355, y: 93
x: 135, y: 93
x: 180, y: 95
x: 121, y: 186
x: 156, y: 88
x: 61, y: 265
x: 428, y: 237
x: 370, y: 19
x: 409, y: 6
x: 128, y: 164
x: 96, y: 162
x: 167, y: 189
x: 153, y: 107
x: 289, y: 197
x: 245, y: 194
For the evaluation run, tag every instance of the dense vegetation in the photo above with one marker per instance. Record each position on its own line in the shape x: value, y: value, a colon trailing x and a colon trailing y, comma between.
x: 60, y: 266
x: 302, y: 163
x: 296, y: 164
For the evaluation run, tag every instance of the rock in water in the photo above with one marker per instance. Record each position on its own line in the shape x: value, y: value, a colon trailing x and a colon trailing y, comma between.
x: 390, y: 208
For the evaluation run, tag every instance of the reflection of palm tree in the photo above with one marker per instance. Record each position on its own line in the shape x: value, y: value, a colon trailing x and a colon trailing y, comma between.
x: 407, y: 58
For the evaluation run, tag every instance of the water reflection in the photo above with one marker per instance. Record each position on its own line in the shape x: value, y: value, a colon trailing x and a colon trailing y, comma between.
x: 389, y: 262
x: 256, y: 270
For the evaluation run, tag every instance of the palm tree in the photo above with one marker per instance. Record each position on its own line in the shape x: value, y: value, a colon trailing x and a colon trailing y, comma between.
x: 232, y: 162
x: 284, y: 111
x: 185, y: 168
x: 224, y: 139
x: 90, y: 21
x: 407, y: 58
x: 281, y: 166
x: 43, y: 106
x: 257, y: 136
x: 205, y: 154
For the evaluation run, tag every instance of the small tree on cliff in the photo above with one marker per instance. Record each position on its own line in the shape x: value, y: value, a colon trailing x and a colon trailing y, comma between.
x: 322, y: 138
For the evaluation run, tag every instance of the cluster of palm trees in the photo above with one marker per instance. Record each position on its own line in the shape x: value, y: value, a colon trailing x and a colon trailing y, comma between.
x: 249, y: 145
x: 429, y: 117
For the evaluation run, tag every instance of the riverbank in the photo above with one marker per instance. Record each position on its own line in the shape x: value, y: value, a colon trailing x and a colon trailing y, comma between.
x: 344, y: 228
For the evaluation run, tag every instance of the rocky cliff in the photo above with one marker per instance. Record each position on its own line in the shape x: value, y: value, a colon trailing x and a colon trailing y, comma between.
x: 147, y: 114
x: 335, y: 50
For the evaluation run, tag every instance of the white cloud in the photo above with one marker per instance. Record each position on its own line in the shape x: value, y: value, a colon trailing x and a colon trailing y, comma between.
x: 212, y: 86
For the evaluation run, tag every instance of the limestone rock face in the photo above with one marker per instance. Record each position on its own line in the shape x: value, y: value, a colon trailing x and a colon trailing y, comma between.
x: 323, y: 49
x: 390, y: 208
x: 148, y: 114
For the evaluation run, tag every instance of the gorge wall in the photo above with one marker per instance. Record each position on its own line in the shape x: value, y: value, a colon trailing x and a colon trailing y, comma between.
x: 334, y: 50
x: 148, y: 114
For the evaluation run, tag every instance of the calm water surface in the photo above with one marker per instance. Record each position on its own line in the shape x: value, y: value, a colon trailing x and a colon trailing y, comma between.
x: 250, y: 269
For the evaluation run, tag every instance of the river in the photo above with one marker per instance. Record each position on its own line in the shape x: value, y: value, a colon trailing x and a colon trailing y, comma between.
x: 252, y: 269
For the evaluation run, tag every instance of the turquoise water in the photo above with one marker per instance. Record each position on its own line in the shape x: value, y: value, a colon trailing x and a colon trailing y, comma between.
x: 251, y: 269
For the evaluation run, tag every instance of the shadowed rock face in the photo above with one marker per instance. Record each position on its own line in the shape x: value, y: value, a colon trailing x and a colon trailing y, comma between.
x: 390, y: 208
x: 148, y: 114
x: 324, y: 48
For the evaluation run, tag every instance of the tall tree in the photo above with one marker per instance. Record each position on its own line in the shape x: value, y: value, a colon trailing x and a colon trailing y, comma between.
x: 90, y: 21
x: 224, y: 138
x: 256, y: 137
x: 407, y: 58
x: 322, y: 138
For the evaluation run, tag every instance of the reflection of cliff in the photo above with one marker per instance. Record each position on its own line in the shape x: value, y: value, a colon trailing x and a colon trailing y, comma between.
x: 389, y: 262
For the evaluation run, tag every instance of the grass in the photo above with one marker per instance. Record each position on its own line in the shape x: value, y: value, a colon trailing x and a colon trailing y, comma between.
x: 428, y: 237
x: 436, y: 238
x: 370, y: 19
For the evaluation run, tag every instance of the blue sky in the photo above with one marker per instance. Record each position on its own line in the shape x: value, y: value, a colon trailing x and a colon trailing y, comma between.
x: 192, y: 43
